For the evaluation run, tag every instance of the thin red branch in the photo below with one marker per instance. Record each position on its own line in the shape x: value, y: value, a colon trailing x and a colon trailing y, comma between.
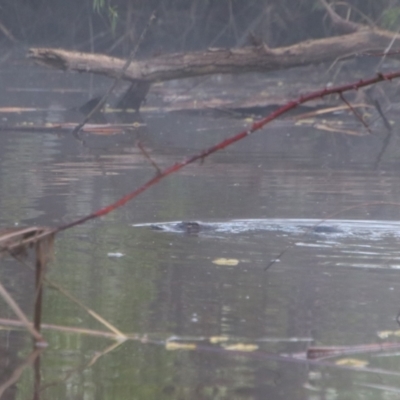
x: 231, y: 140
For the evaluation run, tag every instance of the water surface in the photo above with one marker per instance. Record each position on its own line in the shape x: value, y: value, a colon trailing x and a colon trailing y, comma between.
x: 263, y: 199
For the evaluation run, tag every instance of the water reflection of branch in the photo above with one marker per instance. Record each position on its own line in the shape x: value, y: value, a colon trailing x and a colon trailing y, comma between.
x: 20, y: 314
x: 18, y: 371
x: 68, y: 329
x: 94, y: 314
x: 231, y: 346
x: 82, y: 368
x: 119, y: 335
x: 103, y: 353
x: 37, y: 379
x: 118, y: 78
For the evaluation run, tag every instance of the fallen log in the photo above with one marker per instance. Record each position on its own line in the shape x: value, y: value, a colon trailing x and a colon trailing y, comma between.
x: 220, y: 61
x: 358, y: 39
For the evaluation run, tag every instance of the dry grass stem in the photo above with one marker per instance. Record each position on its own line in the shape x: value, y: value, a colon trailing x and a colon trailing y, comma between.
x: 20, y: 314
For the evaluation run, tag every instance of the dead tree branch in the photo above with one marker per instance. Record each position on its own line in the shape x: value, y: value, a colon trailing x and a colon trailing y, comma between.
x: 218, y: 61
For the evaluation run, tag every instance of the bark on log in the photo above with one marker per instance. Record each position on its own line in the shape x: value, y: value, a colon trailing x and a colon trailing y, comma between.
x: 219, y: 61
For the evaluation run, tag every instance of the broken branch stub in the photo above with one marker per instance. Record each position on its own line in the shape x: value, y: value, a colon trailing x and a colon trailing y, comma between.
x: 17, y: 242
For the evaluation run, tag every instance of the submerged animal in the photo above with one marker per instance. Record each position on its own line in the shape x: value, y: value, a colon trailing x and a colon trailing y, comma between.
x: 194, y: 227
x: 189, y: 227
x: 326, y: 229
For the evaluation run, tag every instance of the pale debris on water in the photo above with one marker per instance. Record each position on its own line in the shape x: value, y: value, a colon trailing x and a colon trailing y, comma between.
x: 231, y: 262
x: 115, y: 255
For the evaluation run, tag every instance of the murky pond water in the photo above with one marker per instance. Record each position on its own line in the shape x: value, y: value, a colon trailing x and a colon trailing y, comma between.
x: 212, y: 318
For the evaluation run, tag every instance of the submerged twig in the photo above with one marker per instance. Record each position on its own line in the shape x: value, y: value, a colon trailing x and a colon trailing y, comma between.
x: 335, y: 351
x: 354, y: 111
x: 43, y: 252
x: 385, y: 146
x: 382, y: 115
x: 148, y: 157
x: 7, y: 33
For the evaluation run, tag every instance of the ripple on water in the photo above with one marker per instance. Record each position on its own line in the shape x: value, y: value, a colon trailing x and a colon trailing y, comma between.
x: 350, y: 243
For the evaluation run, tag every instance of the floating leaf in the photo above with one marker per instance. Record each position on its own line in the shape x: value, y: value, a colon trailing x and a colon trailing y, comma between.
x: 226, y: 261
x: 241, y: 347
x: 218, y: 339
x: 352, y: 362
x: 386, y: 334
x: 180, y: 346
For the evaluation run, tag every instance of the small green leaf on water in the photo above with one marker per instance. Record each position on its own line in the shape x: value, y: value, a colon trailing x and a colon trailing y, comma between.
x: 231, y: 262
x: 352, y: 362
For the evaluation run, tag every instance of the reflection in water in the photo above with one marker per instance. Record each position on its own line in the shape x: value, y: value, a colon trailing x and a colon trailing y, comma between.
x: 336, y: 284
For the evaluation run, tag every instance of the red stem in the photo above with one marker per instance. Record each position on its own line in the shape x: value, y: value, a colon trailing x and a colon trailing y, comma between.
x: 233, y: 139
